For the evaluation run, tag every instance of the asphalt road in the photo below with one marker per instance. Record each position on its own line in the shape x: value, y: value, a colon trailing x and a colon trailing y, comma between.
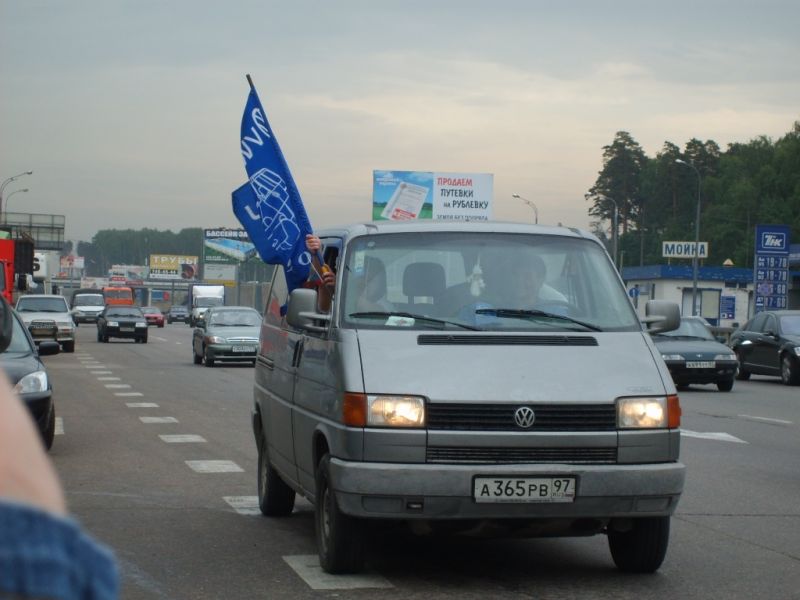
x: 736, y: 533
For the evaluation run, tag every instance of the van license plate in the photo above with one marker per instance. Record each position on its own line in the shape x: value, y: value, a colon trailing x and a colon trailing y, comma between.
x: 243, y: 348
x: 700, y: 364
x: 524, y: 489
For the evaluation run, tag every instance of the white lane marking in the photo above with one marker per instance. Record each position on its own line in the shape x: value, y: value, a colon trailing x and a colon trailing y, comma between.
x: 100, y: 372
x: 108, y: 379
x: 244, y: 505
x: 160, y: 339
x: 183, y: 438
x: 214, y: 466
x: 719, y: 437
x: 158, y: 419
x: 766, y: 419
x: 118, y: 386
x: 307, y: 567
x: 178, y: 343
x: 59, y: 426
x: 141, y: 405
x: 128, y: 394
x: 95, y: 366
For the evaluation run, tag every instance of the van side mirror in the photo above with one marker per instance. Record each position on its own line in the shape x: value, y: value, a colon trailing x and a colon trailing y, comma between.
x: 661, y: 316
x: 302, y: 310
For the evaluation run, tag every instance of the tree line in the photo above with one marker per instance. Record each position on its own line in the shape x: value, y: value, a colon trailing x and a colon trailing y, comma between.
x: 751, y: 183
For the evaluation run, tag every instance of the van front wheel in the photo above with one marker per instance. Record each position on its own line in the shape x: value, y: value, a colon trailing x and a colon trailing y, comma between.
x: 275, y: 498
x: 340, y: 538
x: 642, y: 547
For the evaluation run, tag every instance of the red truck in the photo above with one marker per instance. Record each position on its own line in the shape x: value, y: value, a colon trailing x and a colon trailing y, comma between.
x: 7, y: 251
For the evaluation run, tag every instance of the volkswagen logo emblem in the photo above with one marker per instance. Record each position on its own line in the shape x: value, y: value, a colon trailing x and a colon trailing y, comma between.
x: 524, y: 417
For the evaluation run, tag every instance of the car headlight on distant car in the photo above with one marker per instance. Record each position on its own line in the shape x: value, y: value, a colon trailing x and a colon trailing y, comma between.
x: 725, y: 357
x: 657, y: 412
x: 672, y: 356
x: 140, y: 324
x: 32, y: 382
x: 113, y: 323
x: 797, y: 350
x: 66, y: 326
x: 215, y: 339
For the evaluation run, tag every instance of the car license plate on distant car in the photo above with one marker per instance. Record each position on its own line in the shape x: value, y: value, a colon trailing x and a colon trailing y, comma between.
x: 700, y: 364
x: 524, y: 489
x: 243, y: 348
x: 128, y: 329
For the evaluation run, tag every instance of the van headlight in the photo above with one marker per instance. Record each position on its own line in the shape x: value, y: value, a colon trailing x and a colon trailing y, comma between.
x: 395, y: 411
x: 32, y: 382
x: 648, y: 413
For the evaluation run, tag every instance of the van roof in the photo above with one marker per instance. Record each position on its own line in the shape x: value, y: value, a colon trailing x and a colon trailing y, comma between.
x: 379, y: 227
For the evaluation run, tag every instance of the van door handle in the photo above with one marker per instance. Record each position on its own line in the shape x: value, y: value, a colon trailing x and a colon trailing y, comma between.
x: 298, y: 352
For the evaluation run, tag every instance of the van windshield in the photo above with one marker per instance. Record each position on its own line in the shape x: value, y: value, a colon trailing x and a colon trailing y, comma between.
x: 484, y: 281
x: 88, y: 300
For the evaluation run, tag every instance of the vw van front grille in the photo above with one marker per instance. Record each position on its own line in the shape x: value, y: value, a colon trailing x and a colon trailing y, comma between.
x: 500, y: 417
x: 450, y: 455
x: 506, y: 340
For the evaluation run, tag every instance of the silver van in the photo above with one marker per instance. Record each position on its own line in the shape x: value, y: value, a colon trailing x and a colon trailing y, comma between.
x: 492, y: 377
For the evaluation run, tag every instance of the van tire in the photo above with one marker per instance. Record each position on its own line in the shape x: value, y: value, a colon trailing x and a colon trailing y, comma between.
x: 643, y: 547
x: 340, y: 538
x: 275, y: 498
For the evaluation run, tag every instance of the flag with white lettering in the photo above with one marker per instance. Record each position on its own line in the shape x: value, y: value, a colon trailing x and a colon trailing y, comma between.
x: 269, y: 206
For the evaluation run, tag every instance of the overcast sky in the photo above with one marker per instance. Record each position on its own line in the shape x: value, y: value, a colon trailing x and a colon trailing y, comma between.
x: 129, y: 112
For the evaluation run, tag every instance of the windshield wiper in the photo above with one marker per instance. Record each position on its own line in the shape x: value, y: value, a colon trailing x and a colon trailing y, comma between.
x: 382, y: 315
x: 516, y: 313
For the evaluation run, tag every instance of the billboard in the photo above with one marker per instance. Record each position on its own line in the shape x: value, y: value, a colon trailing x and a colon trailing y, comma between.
x: 771, y: 267
x: 408, y: 195
x: 173, y: 266
x: 225, y: 246
x: 127, y: 273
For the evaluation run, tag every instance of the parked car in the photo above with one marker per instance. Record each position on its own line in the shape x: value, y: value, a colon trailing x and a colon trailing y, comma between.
x: 48, y: 317
x: 177, y: 313
x: 122, y: 321
x: 448, y: 386
x: 226, y: 334
x: 87, y: 304
x: 693, y: 355
x: 153, y: 315
x: 27, y: 373
x: 769, y: 344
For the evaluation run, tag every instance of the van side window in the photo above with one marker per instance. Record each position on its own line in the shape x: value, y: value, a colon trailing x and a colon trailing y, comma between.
x: 278, y: 297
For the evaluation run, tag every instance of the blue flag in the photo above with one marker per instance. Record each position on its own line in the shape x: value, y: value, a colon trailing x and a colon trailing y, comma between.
x: 269, y: 206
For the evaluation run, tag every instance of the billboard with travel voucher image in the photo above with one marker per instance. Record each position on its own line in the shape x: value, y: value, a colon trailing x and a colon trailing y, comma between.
x: 410, y: 195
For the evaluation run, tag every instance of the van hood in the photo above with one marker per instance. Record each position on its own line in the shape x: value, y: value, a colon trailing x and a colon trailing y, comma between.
x: 512, y: 367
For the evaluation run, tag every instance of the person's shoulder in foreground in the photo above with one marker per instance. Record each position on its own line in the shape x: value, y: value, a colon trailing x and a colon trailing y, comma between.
x: 43, y: 553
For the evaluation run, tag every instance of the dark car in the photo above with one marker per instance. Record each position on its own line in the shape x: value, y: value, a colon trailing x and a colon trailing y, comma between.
x: 693, y: 355
x: 178, y: 313
x: 769, y: 344
x: 122, y: 322
x: 228, y: 334
x: 28, y: 375
x: 153, y: 315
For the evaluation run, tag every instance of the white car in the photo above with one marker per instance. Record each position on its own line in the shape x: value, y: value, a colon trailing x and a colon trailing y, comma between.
x: 48, y: 317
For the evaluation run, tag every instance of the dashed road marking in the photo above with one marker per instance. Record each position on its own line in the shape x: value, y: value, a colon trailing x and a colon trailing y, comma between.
x: 244, y: 505
x: 307, y: 567
x: 108, y: 379
x: 59, y: 426
x: 118, y: 386
x: 158, y: 419
x: 95, y: 366
x: 128, y: 394
x: 214, y: 466
x: 183, y: 438
x: 719, y: 436
x: 160, y: 339
x: 100, y: 372
x: 766, y: 419
x: 141, y: 405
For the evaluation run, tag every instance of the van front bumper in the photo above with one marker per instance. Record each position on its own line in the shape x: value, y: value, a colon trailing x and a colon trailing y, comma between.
x: 426, y: 491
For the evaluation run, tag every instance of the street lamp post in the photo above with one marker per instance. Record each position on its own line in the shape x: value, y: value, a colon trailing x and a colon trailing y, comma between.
x: 615, y: 235
x: 8, y: 199
x: 9, y: 180
x: 695, y: 259
x: 531, y: 204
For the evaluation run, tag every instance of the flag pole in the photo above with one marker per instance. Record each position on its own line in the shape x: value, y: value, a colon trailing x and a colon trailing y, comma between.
x: 250, y: 81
